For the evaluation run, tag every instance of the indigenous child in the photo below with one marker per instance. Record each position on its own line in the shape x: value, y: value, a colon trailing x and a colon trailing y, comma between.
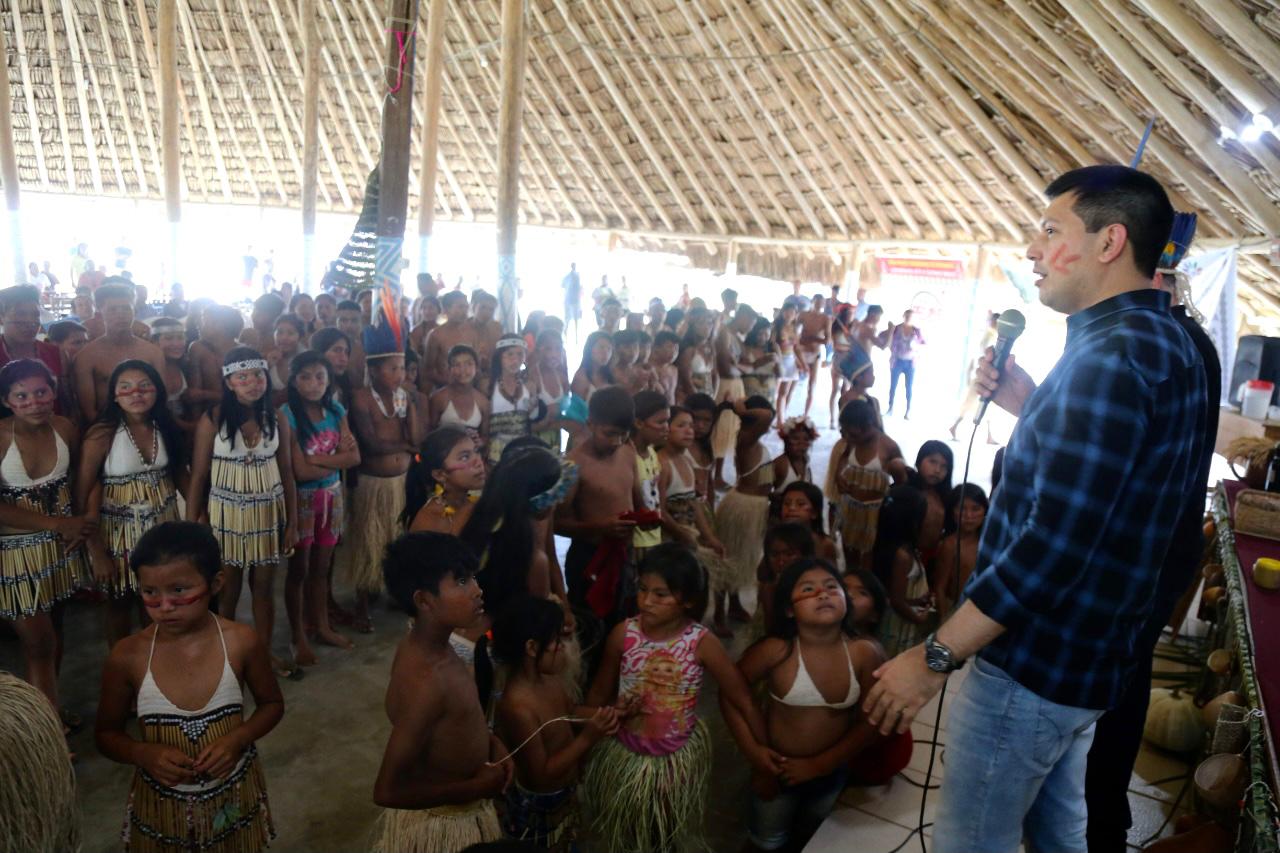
x: 460, y: 404
x: 513, y: 407
x: 783, y: 544
x: 627, y: 370
x: 662, y: 361
x: 592, y: 514
x: 968, y: 506
x: 288, y: 335
x: 322, y: 448
x: 595, y: 371
x: 336, y: 349
x: 686, y: 514
x: 743, y: 513
x: 387, y: 424
x: 242, y: 485
x: 653, y: 419
x: 441, y: 766
x: 760, y: 362
x: 646, y: 788
x: 864, y: 463
x: 351, y: 324
x: 798, y: 435
x: 855, y: 365
x: 783, y: 338
x: 168, y: 334
x: 426, y: 317
x: 441, y: 340
x: 93, y: 367
x: 130, y: 465
x: 549, y: 381
x: 39, y: 534
x: 802, y: 502
x: 262, y: 321
x: 816, y: 670
x: 842, y: 325
x: 303, y: 307
x: 412, y: 370
x: 932, y: 476
x: 219, y: 328
x: 703, y: 411
x: 488, y: 331
x: 198, y: 783
x: 69, y: 337
x: 696, y: 364
x: 815, y: 334
x: 444, y: 483
x: 536, y: 710
x: 896, y: 562
x: 326, y: 311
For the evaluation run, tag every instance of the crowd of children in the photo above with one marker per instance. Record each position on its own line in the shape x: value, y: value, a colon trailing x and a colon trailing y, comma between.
x: 435, y: 463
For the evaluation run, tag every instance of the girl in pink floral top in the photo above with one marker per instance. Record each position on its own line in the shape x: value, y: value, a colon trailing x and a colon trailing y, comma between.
x: 646, y: 788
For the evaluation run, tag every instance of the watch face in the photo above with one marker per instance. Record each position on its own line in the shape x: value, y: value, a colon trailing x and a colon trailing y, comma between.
x: 936, y: 658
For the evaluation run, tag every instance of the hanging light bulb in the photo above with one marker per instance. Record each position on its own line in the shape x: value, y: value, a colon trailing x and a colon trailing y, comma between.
x: 1250, y: 133
x: 1261, y: 122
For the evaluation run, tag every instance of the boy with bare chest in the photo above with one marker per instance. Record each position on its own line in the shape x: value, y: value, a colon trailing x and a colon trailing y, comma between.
x: 488, y: 330
x: 219, y: 328
x: 99, y: 357
x: 441, y: 766
x: 386, y: 421
x: 455, y: 330
x: 591, y: 513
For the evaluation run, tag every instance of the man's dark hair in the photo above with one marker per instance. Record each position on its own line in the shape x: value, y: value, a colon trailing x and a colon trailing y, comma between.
x: 612, y: 406
x: 451, y: 297
x: 12, y: 297
x: 63, y: 329
x: 666, y: 337
x: 728, y: 294
x: 122, y: 290
x: 626, y: 338
x: 610, y: 303
x: 178, y: 540
x: 417, y: 561
x: 649, y: 403
x: 348, y: 305
x: 1110, y: 195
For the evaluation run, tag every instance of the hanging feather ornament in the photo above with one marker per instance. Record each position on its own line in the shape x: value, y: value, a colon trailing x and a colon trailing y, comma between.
x: 354, y: 269
x: 1184, y: 231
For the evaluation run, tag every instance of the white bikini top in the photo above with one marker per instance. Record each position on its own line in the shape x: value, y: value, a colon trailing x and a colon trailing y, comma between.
x: 501, y: 405
x: 679, y: 486
x: 173, y: 402
x: 13, y: 473
x: 152, y: 701
x: 237, y: 449
x: 124, y: 459
x: 698, y: 364
x: 805, y: 694
x: 450, y: 416
x: 792, y: 477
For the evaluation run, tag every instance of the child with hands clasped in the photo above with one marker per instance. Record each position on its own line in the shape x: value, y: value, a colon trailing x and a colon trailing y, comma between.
x: 441, y: 766
x: 198, y: 783
x: 646, y: 788
x: 537, y: 713
x: 816, y: 672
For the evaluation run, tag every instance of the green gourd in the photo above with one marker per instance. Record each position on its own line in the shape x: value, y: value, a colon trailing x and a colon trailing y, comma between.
x: 1173, y: 721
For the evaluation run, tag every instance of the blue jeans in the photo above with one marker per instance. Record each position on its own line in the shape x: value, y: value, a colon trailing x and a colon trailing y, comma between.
x: 797, y: 811
x: 901, y: 368
x: 1015, y: 765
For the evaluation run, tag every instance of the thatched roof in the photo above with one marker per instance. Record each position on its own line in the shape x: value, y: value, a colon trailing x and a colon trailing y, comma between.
x: 794, y: 127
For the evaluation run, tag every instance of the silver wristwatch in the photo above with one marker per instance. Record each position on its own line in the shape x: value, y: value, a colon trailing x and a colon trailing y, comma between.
x: 938, y: 657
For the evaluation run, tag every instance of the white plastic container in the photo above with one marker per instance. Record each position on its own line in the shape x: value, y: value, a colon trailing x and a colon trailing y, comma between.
x: 1256, y: 399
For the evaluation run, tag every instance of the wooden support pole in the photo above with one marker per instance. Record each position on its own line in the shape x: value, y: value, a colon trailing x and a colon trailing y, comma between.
x: 167, y: 36
x: 431, y: 129
x: 513, y: 67
x: 9, y: 167
x: 310, y: 135
x: 397, y: 121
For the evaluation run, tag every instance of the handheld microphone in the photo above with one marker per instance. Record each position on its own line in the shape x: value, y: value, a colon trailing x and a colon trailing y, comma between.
x: 1008, y: 328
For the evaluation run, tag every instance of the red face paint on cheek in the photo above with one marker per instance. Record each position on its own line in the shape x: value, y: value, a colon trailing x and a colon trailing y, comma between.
x: 1060, y: 261
x: 154, y: 601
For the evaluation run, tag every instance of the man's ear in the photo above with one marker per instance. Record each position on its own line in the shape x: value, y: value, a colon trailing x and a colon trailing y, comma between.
x: 1114, y: 239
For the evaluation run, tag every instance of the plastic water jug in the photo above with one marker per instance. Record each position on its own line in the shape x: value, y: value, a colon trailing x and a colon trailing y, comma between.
x: 1256, y: 399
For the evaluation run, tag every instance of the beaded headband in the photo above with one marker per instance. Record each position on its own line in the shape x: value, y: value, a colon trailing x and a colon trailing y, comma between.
x: 561, y: 487
x: 247, y: 364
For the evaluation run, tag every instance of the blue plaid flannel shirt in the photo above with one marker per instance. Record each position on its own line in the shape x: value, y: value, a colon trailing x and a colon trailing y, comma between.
x: 1095, y: 477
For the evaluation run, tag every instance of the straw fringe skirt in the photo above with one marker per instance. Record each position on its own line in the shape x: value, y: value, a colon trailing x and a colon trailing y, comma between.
x: 644, y: 803
x: 247, y: 511
x: 445, y: 829
x: 376, y: 505
x: 36, y: 571
x: 725, y: 434
x: 130, y: 507
x: 38, y: 812
x: 741, y: 520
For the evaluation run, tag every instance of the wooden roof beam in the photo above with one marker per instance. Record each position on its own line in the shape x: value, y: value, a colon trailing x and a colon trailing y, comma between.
x: 144, y: 27
x: 33, y: 118
x: 1201, y: 140
x: 82, y: 88
x: 346, y: 73
x: 202, y: 96
x: 604, y: 125
x: 692, y: 119
x: 1209, y: 51
x: 51, y: 43
x: 131, y: 136
x: 821, y: 124
x: 75, y: 42
x: 149, y: 130
x: 643, y: 85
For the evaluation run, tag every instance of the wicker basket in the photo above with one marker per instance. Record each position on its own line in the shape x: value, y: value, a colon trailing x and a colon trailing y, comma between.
x: 1258, y: 514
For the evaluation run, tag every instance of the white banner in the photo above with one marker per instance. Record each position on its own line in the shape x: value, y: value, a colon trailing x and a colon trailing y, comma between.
x: 1213, y: 288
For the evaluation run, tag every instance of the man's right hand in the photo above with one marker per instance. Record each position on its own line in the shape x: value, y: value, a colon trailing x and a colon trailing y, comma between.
x: 617, y: 528
x: 1008, y: 391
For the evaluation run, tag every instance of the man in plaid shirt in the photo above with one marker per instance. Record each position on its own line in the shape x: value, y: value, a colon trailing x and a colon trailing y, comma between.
x: 1094, y: 480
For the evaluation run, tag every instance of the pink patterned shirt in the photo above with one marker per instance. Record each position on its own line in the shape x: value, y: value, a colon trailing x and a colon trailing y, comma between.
x: 666, y: 676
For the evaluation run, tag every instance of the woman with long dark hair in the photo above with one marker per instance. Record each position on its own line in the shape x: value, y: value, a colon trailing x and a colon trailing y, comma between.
x: 442, y: 485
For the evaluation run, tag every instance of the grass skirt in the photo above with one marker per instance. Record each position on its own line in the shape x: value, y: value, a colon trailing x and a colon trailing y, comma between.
x: 130, y: 507
x: 897, y: 634
x: 36, y: 571
x: 38, y: 812
x: 247, y: 511
x: 724, y: 437
x: 376, y: 505
x: 549, y: 821
x: 645, y: 803
x: 741, y: 520
x: 445, y: 829
x: 228, y: 816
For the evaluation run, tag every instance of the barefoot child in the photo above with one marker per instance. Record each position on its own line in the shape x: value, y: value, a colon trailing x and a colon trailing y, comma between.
x: 442, y: 487
x: 864, y: 464
x: 792, y: 465
x: 441, y: 766
x: 242, y: 485
x: 130, y: 467
x: 816, y: 670
x: 896, y: 562
x: 198, y: 783
x: 541, y: 807
x: 662, y: 361
x: 703, y: 410
x: 968, y: 510
x: 653, y: 419
x: 647, y: 788
x: 932, y: 476
x: 686, y: 516
x: 322, y: 448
